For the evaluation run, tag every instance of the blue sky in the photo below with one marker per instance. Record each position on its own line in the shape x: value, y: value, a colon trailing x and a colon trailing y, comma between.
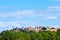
x: 29, y: 13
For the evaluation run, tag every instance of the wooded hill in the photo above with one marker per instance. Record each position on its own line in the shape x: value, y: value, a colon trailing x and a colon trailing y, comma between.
x: 31, y: 35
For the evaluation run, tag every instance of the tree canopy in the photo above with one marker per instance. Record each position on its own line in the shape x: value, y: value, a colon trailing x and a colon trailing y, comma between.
x: 24, y: 35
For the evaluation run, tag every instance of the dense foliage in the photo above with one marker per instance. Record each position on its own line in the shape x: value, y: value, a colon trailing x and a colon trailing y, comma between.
x: 24, y: 35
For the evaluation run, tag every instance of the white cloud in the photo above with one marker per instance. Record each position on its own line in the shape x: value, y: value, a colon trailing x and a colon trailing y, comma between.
x: 28, y: 13
x: 56, y: 7
x: 51, y: 17
x: 21, y: 14
x: 7, y: 24
x: 52, y: 12
x: 53, y: 8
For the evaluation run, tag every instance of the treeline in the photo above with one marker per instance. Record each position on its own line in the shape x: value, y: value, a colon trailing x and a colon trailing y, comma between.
x: 24, y: 35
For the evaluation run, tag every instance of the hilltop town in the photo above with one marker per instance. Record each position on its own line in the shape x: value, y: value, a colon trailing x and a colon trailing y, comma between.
x: 36, y: 29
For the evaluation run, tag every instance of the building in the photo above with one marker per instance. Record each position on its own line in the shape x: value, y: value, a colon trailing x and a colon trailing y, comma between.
x: 53, y: 29
x: 36, y: 29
